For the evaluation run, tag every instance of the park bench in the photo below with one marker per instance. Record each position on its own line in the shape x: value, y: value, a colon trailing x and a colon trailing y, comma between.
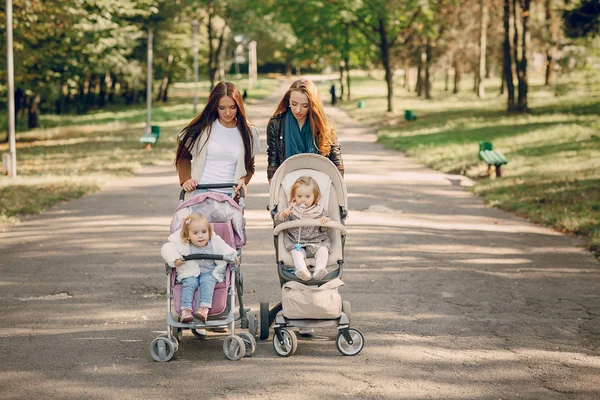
x: 491, y: 157
x: 151, y: 138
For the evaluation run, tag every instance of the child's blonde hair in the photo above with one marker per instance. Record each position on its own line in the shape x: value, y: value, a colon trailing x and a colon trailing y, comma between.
x: 185, y: 228
x: 306, y: 181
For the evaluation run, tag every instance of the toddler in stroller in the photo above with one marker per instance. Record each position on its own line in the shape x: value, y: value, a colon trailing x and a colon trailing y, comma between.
x: 309, y: 301
x: 226, y: 220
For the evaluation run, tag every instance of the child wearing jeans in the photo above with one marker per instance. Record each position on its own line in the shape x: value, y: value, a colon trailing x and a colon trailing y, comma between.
x: 306, y: 241
x: 196, y: 237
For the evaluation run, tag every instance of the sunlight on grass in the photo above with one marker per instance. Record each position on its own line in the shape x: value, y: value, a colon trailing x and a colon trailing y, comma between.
x: 72, y: 155
x: 553, y: 174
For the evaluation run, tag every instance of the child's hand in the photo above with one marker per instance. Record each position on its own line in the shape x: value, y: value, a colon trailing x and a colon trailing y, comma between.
x: 179, y: 262
x: 324, y: 220
x: 285, y: 213
x: 237, y: 259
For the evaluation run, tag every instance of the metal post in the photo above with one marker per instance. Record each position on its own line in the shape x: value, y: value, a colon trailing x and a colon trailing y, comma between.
x: 149, y: 85
x: 252, y: 65
x: 11, y: 90
x: 195, y: 25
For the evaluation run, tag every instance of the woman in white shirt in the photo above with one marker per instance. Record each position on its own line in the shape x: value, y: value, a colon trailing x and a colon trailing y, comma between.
x: 218, y: 145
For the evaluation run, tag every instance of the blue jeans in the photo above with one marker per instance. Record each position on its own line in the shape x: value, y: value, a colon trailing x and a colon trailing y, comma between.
x: 206, y: 282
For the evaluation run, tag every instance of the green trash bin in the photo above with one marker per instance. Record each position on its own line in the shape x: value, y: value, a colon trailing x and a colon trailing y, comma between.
x: 409, y: 116
x: 361, y: 104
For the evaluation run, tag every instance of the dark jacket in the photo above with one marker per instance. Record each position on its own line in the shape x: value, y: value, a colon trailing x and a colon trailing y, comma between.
x: 276, y: 147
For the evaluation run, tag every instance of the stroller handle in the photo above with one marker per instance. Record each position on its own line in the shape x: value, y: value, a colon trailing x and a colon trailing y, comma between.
x: 213, y: 186
x: 204, y: 257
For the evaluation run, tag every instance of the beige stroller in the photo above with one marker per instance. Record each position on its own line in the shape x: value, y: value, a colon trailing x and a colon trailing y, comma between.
x: 301, y: 300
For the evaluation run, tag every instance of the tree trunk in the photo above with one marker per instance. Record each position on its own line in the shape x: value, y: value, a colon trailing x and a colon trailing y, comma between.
x: 165, y: 97
x: 384, y: 48
x: 427, y: 79
x: 58, y: 103
x: 419, y: 83
x: 482, y: 48
x: 89, y: 92
x: 515, y: 20
x: 212, y: 68
x: 162, y: 93
x: 104, y: 81
x: 34, y: 111
x: 522, y: 64
x: 341, y: 68
x: 447, y: 72
x: 457, y: 76
x: 19, y: 102
x: 507, y: 61
x: 550, y: 51
x: 347, y: 64
x: 407, y: 74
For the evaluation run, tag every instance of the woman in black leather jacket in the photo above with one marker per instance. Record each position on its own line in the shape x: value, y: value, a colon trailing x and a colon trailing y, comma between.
x: 299, y: 125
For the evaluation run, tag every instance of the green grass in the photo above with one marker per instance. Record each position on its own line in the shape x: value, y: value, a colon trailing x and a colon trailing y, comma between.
x: 553, y: 174
x: 72, y: 155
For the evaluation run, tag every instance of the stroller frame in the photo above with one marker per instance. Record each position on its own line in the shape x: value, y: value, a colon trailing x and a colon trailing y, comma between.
x: 235, y: 346
x: 349, y: 341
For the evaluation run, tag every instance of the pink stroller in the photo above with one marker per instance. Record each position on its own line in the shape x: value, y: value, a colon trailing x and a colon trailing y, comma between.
x: 227, y: 221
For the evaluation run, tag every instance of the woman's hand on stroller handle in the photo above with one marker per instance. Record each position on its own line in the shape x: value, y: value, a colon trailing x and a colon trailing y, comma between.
x: 189, y: 185
x: 241, y: 188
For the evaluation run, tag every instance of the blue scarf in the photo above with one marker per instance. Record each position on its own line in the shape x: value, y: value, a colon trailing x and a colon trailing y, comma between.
x: 298, y: 141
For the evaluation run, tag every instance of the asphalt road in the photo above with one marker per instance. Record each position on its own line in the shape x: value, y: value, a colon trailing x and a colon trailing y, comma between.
x: 456, y: 300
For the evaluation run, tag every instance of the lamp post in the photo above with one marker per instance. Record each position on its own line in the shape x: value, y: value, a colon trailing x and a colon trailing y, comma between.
x: 252, y: 67
x: 149, y: 85
x: 11, y: 91
x: 195, y: 25
x: 236, y: 54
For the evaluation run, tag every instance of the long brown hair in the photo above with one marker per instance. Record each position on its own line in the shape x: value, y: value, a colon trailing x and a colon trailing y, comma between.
x: 201, y: 125
x: 323, y: 131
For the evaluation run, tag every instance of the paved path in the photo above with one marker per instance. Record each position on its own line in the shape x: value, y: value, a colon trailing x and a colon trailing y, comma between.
x: 456, y: 300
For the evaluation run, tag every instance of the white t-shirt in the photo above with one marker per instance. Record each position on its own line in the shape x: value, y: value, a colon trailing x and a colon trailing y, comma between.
x: 222, y: 153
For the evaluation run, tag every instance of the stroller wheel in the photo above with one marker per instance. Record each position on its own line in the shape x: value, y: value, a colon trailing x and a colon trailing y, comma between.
x: 249, y: 342
x: 347, y: 349
x: 264, y: 320
x: 199, y: 333
x: 234, y: 347
x: 252, y: 324
x: 288, y: 345
x: 162, y: 349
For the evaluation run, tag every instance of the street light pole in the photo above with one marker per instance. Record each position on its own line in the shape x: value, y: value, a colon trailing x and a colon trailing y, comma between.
x: 149, y: 85
x: 195, y: 40
x: 11, y: 90
x: 252, y: 65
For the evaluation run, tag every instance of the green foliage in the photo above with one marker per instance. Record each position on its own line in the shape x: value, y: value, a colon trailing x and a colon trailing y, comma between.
x: 75, y: 155
x: 553, y: 170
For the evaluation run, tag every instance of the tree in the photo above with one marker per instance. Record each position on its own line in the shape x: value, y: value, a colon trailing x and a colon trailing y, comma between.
x: 386, y: 24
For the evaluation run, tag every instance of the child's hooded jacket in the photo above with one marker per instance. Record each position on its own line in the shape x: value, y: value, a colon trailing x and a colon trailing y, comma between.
x: 176, y: 247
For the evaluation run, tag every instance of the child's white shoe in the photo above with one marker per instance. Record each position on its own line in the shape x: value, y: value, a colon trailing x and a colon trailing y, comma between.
x: 320, y: 274
x: 303, y: 274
